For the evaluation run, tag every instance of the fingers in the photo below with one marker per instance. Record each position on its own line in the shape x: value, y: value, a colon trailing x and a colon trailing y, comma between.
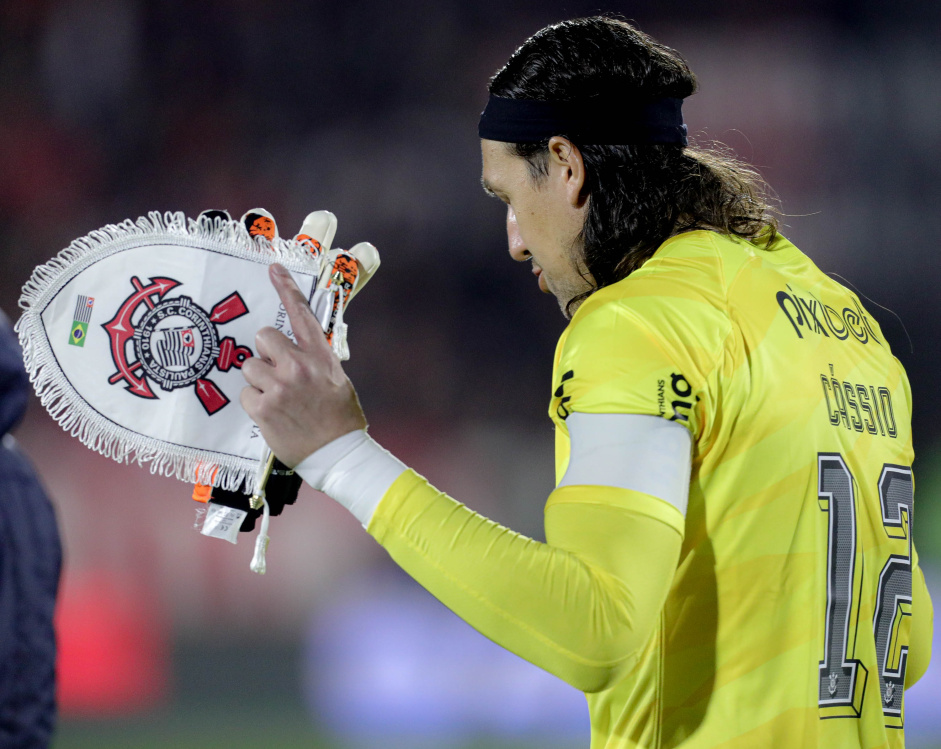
x: 214, y: 215
x: 250, y: 398
x: 269, y: 343
x: 258, y: 373
x: 260, y: 223
x: 306, y: 326
x: 322, y: 226
x: 317, y: 232
x: 367, y: 257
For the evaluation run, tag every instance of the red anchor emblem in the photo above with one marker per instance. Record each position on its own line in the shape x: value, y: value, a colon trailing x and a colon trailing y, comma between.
x: 175, y: 342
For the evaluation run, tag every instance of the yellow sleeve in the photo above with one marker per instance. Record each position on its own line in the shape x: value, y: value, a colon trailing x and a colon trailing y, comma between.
x: 919, y: 647
x: 580, y: 606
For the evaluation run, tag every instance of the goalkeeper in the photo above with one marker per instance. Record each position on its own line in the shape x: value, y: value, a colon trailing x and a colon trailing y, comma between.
x: 733, y: 433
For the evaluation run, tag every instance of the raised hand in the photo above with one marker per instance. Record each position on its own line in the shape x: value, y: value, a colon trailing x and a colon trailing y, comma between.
x: 298, y: 394
x: 316, y: 234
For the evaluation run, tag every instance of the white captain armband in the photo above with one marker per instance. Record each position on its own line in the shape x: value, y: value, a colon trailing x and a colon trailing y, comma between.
x: 643, y: 453
x: 354, y: 470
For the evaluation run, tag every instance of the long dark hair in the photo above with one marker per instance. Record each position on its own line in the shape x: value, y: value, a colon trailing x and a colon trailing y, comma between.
x: 638, y: 196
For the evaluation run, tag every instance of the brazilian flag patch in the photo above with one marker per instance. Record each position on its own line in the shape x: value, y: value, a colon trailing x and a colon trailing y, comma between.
x: 83, y: 309
x: 79, y: 331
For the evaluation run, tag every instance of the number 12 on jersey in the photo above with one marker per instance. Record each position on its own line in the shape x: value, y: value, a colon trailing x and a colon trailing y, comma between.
x: 843, y: 677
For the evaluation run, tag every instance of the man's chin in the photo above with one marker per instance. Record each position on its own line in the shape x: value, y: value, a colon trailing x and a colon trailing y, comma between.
x: 541, y: 282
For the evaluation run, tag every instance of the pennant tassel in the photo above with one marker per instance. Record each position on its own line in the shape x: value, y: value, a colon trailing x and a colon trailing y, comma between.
x: 258, y: 564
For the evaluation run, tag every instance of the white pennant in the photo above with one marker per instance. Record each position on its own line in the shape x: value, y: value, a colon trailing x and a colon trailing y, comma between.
x: 134, y: 336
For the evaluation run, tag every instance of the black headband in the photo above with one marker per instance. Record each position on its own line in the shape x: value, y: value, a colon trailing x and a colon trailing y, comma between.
x: 591, y: 121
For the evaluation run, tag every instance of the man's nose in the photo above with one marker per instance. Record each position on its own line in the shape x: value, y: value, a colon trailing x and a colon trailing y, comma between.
x: 518, y: 249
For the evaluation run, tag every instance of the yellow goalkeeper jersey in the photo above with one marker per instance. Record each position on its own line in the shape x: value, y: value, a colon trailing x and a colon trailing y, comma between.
x: 786, y: 609
x: 788, y: 622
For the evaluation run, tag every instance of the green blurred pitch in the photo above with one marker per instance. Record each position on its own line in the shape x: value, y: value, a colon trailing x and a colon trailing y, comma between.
x: 212, y: 732
x: 211, y: 707
x: 208, y: 733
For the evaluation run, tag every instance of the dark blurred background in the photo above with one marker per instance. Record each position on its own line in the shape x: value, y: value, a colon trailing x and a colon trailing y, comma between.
x: 111, y: 108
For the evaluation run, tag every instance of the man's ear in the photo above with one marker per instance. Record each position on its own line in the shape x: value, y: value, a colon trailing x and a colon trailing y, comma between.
x: 566, y: 160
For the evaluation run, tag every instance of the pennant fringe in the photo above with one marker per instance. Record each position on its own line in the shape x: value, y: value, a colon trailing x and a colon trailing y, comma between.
x: 60, y: 398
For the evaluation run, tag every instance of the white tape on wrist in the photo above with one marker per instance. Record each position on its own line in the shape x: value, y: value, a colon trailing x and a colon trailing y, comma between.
x: 354, y: 470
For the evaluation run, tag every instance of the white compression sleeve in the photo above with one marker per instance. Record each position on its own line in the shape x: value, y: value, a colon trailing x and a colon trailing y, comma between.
x: 354, y: 470
x: 633, y: 451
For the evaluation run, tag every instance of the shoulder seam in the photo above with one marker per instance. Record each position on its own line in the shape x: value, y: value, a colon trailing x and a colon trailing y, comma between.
x: 726, y: 287
x: 717, y: 355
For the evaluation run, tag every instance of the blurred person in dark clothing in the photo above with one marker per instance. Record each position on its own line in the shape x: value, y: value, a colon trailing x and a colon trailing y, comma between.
x: 30, y: 563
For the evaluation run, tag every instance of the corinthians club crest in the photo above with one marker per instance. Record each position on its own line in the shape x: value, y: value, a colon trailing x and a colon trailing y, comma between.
x: 175, y: 342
